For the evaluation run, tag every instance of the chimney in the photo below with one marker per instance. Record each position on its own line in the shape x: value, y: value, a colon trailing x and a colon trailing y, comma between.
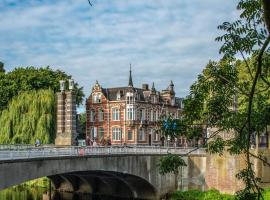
x: 145, y: 86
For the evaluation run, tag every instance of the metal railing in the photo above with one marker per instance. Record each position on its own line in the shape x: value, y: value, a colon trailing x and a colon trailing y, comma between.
x: 11, y: 152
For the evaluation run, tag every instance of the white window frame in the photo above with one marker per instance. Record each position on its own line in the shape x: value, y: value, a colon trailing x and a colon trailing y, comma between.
x: 141, y: 135
x: 97, y: 98
x: 142, y: 114
x: 115, y: 114
x: 99, y: 131
x: 100, y: 115
x: 130, y: 113
x: 93, y: 132
x: 116, y: 133
x: 130, y: 131
x: 92, y: 115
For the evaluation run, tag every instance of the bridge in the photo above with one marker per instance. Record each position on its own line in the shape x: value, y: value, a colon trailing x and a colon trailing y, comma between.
x: 129, y: 172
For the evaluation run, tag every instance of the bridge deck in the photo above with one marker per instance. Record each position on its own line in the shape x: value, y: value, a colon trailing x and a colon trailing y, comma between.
x: 10, y: 152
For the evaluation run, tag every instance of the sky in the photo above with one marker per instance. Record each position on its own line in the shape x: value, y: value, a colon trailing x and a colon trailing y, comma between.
x: 163, y: 40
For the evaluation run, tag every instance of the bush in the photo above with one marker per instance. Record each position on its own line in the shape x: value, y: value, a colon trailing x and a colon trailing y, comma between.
x: 199, y: 195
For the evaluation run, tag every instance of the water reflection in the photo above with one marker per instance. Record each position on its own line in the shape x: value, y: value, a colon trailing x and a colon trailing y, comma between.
x: 24, y: 193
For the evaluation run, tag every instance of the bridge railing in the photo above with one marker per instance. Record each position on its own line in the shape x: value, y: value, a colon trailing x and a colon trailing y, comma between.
x: 52, y: 151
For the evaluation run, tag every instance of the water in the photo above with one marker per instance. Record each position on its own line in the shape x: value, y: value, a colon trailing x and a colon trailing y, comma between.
x: 36, y: 193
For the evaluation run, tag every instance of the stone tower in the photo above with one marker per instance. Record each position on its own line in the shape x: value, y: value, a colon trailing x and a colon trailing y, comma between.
x: 66, y: 115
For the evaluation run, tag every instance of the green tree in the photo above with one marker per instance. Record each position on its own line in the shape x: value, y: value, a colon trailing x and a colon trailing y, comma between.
x: 82, y: 124
x: 2, y: 70
x: 212, y: 99
x: 170, y: 164
x: 29, y: 116
x: 31, y: 78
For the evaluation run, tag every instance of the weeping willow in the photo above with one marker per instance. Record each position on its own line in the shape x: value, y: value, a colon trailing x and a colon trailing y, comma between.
x: 29, y: 116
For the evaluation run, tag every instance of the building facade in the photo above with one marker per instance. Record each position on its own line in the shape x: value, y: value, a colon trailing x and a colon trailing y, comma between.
x: 129, y: 115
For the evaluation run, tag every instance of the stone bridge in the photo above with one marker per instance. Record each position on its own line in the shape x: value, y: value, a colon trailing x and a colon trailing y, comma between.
x: 118, y: 171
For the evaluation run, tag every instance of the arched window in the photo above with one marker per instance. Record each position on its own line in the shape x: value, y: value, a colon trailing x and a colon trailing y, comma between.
x: 115, y: 114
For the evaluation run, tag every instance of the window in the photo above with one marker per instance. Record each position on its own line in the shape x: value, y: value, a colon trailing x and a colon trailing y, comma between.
x: 141, y: 135
x: 115, y: 114
x: 97, y: 98
x: 100, y: 115
x: 130, y: 98
x: 92, y: 116
x: 130, y: 136
x: 116, y: 134
x: 93, y: 133
x: 156, y: 136
x: 142, y: 114
x: 151, y: 115
x: 130, y: 114
x: 154, y: 116
x: 101, y: 133
x: 118, y: 95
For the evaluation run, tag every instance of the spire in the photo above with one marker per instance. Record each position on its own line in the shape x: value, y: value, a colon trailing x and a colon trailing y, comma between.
x: 153, y: 89
x: 171, y: 88
x: 171, y: 83
x: 130, y: 83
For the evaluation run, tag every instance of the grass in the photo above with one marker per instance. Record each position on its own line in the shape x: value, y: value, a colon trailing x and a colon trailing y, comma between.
x: 209, y: 195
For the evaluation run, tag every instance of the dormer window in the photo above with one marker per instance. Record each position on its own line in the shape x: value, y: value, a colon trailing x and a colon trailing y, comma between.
x: 118, y: 95
x: 130, y: 98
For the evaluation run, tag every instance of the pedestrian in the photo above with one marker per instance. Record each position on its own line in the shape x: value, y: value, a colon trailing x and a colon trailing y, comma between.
x: 37, y: 143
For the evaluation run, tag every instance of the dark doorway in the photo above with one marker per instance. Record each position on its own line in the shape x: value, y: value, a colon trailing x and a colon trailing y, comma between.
x: 150, y: 139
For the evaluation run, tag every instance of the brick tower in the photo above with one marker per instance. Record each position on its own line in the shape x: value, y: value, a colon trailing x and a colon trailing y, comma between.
x: 66, y: 115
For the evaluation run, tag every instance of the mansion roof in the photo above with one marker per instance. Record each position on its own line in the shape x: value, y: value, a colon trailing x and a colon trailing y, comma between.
x: 143, y: 94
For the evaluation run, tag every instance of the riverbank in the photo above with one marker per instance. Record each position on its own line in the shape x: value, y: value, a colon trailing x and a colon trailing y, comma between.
x: 207, y: 195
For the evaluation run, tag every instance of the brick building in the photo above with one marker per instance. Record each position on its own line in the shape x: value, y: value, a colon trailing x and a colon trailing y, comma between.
x: 129, y: 115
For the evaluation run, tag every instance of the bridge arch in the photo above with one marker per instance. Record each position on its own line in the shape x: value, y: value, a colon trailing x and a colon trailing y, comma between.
x: 136, y: 176
x: 105, y: 183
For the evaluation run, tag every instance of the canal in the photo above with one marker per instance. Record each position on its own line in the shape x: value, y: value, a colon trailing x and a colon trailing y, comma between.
x: 38, y: 193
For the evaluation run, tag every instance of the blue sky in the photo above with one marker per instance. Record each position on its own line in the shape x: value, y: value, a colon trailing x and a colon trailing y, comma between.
x: 163, y: 39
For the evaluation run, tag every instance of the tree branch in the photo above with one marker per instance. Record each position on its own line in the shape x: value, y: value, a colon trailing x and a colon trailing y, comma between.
x: 260, y: 158
x: 90, y: 3
x: 266, y: 10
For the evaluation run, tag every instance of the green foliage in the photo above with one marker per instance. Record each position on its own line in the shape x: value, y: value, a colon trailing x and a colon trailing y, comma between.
x: 29, y: 116
x: 82, y: 123
x: 233, y: 95
x: 199, y: 195
x: 30, y: 78
x: 2, y: 69
x: 33, y: 190
x: 170, y: 164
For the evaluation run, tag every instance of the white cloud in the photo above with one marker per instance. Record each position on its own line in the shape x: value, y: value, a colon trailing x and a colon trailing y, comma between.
x: 164, y: 40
